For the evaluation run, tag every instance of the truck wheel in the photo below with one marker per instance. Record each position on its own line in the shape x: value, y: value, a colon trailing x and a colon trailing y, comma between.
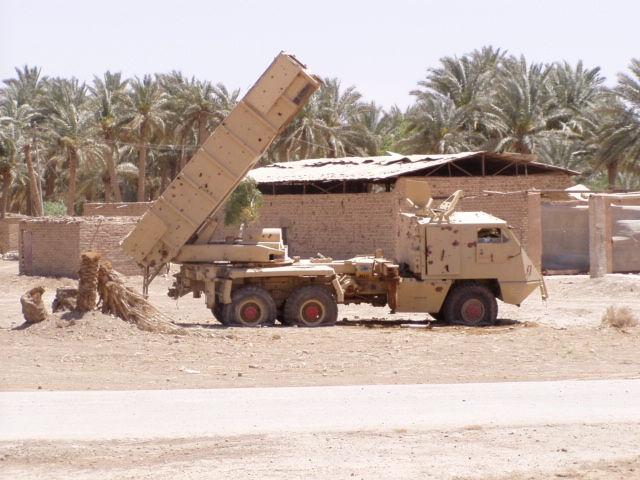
x: 311, y: 306
x: 471, y: 305
x: 218, y: 313
x: 438, y: 316
x: 250, y: 307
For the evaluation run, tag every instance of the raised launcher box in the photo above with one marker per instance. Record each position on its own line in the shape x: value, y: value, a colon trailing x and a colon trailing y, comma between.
x: 188, y: 205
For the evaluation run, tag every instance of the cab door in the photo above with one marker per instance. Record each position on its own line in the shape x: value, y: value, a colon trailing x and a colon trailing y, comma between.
x: 443, y: 250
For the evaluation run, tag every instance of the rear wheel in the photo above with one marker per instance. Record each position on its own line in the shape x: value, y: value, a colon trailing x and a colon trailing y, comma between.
x: 472, y: 305
x: 311, y: 306
x: 250, y: 307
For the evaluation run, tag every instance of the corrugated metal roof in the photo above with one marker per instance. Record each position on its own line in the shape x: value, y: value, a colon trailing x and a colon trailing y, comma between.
x: 376, y: 168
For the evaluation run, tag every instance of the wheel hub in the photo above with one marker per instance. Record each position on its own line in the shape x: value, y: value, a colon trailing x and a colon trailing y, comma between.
x: 312, y: 312
x: 473, y: 310
x: 250, y: 312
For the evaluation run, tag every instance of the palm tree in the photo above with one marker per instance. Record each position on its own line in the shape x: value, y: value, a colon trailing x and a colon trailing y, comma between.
x: 619, y: 146
x: 436, y: 125
x: 70, y: 128
x: 24, y: 94
x: 329, y: 126
x: 519, y: 106
x: 108, y: 97
x: 7, y: 165
x: 465, y: 80
x: 146, y: 118
x: 384, y: 129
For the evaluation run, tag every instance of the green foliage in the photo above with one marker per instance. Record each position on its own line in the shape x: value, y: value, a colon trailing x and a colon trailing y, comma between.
x: 54, y: 209
x: 244, y: 204
x: 124, y: 135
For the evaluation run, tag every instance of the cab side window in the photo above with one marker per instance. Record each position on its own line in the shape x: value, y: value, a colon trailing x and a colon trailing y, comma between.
x: 491, y: 235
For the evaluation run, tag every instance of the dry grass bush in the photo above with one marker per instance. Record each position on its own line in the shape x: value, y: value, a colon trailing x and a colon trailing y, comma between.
x: 619, y: 317
x: 118, y: 299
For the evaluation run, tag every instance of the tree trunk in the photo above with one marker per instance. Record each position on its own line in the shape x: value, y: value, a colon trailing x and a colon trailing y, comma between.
x: 202, y: 129
x: 142, y: 171
x: 34, y: 191
x: 113, y: 174
x: 73, y: 169
x: 612, y: 175
x: 183, y: 151
x: 50, y: 180
x: 6, y: 190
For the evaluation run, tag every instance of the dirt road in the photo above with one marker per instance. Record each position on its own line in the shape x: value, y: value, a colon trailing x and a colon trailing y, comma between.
x: 511, y: 431
x: 147, y: 414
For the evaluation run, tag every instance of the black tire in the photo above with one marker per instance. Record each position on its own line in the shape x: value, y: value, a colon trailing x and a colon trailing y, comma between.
x: 281, y: 318
x: 218, y: 313
x: 311, y: 306
x: 438, y: 316
x: 250, y: 307
x: 472, y: 305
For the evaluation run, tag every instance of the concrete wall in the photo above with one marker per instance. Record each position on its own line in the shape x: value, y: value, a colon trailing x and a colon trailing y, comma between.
x: 51, y: 246
x: 565, y: 236
x: 626, y: 238
x: 122, y: 209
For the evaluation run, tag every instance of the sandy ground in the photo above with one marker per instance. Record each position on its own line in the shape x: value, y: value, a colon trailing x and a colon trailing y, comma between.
x: 559, y: 339
x: 540, y: 453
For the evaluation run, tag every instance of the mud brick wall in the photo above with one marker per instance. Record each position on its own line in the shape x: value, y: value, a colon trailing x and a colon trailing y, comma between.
x: 345, y: 225
x: 122, y: 209
x: 104, y: 234
x: 338, y: 225
x: 9, y: 233
x: 51, y: 246
x: 442, y: 187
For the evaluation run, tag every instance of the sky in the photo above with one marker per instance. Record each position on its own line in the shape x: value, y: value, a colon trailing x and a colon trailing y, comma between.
x: 382, y: 47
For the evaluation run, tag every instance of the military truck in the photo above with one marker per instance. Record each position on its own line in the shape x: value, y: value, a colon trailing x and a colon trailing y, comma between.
x: 451, y: 265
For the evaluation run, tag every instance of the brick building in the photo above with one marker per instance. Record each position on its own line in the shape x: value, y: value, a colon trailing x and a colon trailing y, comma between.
x: 52, y: 245
x: 115, y: 209
x: 347, y: 206
x: 9, y: 228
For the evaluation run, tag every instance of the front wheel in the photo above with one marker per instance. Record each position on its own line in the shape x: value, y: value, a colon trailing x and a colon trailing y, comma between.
x: 311, y: 306
x: 471, y: 305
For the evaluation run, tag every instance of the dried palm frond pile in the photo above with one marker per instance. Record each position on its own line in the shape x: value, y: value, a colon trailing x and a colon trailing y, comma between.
x: 32, y: 306
x: 88, y: 283
x: 65, y: 299
x: 118, y: 299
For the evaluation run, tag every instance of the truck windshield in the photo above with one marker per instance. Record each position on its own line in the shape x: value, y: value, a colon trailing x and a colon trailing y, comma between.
x: 492, y: 235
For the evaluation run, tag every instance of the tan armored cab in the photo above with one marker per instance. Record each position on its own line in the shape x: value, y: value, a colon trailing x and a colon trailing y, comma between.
x: 183, y: 213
